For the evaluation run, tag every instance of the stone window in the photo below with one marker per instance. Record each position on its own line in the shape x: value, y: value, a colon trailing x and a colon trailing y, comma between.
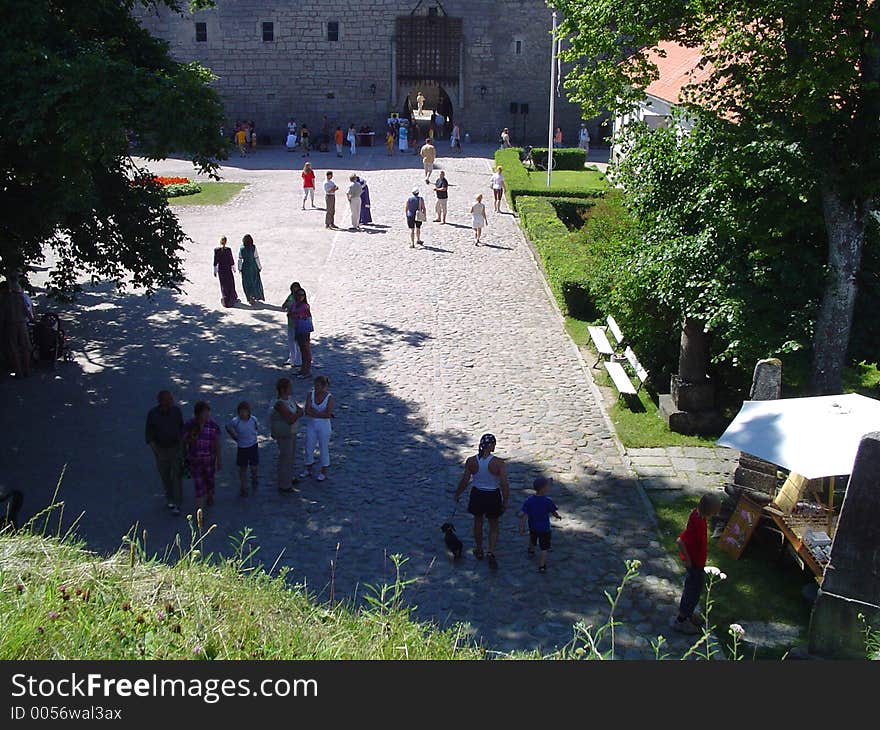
x: 268, y: 32
x: 332, y: 30
x: 518, y: 46
x: 201, y: 32
x: 432, y: 11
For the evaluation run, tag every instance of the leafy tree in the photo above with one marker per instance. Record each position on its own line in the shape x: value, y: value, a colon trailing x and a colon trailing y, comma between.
x: 76, y: 80
x: 794, y: 72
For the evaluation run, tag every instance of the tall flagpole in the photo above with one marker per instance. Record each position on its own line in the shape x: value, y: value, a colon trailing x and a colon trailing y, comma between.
x: 552, y: 101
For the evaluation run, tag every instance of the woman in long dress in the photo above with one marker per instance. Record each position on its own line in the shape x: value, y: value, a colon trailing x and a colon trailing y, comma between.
x: 224, y: 267
x: 249, y: 266
x: 203, y: 453
x: 366, y: 216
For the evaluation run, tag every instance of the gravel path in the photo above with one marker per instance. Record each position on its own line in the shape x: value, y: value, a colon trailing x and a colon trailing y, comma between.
x: 426, y: 349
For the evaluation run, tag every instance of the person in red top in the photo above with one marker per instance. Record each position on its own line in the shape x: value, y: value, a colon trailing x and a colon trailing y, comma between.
x: 308, y: 176
x: 692, y: 547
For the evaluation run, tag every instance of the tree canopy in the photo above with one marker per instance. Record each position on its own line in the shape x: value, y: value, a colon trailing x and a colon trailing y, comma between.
x: 790, y: 74
x: 77, y: 80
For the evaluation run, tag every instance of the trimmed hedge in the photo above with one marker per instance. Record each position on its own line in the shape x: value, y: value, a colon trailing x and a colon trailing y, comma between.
x: 175, y: 190
x: 567, y: 158
x: 565, y: 259
x: 519, y: 182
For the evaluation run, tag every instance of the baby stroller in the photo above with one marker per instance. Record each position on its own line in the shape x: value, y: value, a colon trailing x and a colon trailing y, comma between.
x: 50, y: 340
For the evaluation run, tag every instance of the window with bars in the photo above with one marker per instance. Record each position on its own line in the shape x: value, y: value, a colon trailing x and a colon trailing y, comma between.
x: 332, y: 30
x: 201, y: 32
x: 428, y: 48
x: 268, y: 32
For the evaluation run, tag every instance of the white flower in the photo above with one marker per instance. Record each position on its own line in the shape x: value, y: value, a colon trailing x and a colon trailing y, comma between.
x: 736, y: 631
x: 712, y: 570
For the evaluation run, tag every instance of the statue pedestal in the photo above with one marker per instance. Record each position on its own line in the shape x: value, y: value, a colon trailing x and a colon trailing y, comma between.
x: 689, y: 407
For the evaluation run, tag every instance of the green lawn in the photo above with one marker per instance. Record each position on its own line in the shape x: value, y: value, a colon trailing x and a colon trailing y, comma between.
x: 568, y: 179
x: 213, y: 193
x: 758, y: 587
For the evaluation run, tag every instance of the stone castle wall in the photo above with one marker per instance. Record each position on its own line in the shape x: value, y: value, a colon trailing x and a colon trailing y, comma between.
x: 302, y: 74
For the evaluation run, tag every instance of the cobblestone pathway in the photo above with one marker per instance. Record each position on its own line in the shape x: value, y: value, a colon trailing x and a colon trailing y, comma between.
x: 426, y: 349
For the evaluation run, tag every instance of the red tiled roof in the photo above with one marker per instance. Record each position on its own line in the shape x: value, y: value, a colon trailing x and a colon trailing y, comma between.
x: 677, y: 70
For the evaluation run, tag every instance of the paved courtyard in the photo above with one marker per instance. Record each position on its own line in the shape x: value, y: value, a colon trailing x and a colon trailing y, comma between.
x: 426, y: 349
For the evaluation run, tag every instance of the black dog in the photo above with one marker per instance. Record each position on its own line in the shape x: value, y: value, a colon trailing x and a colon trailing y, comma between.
x: 453, y: 544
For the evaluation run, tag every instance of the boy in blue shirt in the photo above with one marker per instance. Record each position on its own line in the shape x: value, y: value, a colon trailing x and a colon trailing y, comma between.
x: 537, y: 509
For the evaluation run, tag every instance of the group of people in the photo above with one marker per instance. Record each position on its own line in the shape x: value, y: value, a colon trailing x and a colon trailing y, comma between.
x: 249, y: 267
x: 245, y: 135
x: 192, y: 449
x: 583, y: 138
x: 357, y: 193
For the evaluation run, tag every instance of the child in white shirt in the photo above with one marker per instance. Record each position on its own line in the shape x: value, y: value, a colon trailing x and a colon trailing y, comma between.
x: 243, y: 429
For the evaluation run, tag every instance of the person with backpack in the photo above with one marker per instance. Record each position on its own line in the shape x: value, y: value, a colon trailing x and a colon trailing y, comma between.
x: 415, y: 212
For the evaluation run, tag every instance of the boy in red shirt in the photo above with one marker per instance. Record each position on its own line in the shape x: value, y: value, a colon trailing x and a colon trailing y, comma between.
x: 692, y: 546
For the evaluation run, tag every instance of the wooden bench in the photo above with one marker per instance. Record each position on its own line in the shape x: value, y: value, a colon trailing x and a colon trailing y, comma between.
x: 600, y: 342
x: 621, y: 379
x: 615, y: 332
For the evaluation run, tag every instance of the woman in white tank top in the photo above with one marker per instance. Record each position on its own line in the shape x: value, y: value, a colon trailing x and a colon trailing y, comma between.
x: 489, y: 494
x: 319, y: 411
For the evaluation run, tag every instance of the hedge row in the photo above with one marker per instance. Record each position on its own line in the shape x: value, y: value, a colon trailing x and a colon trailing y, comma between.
x: 567, y: 158
x: 519, y: 183
x: 565, y: 260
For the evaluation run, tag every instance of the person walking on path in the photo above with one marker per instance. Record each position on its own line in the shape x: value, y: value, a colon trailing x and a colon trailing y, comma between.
x: 308, y: 177
x: 354, y: 201
x: 330, y: 189
x: 164, y: 436
x: 693, y: 547
x: 294, y: 358
x: 366, y: 216
x: 478, y: 218
x: 224, y: 270
x: 16, y: 316
x: 305, y: 140
x: 584, y: 139
x: 284, y: 414
x: 303, y: 328
x: 455, y: 137
x: 203, y: 453
x: 319, y: 411
x: 415, y: 212
x: 537, y: 510
x: 337, y: 139
x: 441, y: 188
x: 243, y: 429
x: 403, y: 138
x: 249, y: 265
x: 429, y: 154
x: 505, y: 138
x: 490, y: 492
x: 241, y: 141
x: 352, y: 140
x: 498, y: 187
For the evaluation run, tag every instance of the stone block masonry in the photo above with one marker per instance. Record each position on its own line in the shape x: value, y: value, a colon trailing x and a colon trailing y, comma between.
x: 300, y: 73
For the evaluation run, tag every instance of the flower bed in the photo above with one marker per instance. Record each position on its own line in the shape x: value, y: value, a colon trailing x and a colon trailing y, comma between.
x: 171, y: 180
x: 175, y: 190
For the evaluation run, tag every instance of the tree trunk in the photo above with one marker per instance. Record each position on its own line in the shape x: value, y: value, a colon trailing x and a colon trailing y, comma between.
x: 845, y: 223
x: 693, y: 354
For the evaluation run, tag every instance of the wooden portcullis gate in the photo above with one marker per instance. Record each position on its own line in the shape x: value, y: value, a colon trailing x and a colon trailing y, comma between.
x: 428, y: 48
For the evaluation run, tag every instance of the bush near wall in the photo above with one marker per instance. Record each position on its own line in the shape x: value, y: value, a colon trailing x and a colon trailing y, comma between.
x: 567, y: 158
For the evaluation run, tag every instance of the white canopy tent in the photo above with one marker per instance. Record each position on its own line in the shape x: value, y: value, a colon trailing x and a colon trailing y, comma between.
x: 815, y: 437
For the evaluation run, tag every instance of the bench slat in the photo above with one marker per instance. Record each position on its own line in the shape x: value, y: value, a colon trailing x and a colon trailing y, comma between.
x: 615, y: 330
x: 620, y: 378
x: 639, y: 369
x: 600, y: 340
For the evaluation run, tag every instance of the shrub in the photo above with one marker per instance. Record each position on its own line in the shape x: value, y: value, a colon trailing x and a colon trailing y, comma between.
x: 175, y: 190
x: 567, y: 158
x: 565, y: 262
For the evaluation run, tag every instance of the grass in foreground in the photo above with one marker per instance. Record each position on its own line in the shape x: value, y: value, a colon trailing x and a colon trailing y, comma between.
x: 213, y: 193
x: 758, y: 587
x: 58, y: 601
